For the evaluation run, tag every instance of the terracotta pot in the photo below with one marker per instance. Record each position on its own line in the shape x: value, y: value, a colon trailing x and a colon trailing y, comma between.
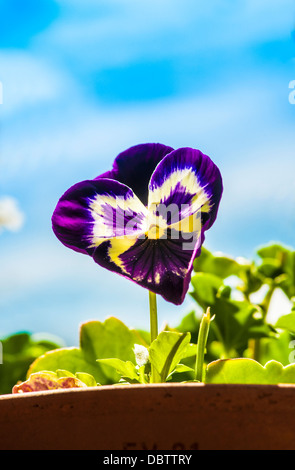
x: 152, y: 417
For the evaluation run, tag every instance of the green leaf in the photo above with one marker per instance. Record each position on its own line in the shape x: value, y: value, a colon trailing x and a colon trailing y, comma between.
x: 273, y: 251
x: 270, y: 268
x: 189, y: 351
x: 224, y: 266
x: 181, y: 373
x: 16, y: 343
x: 218, y: 264
x: 98, y: 340
x: 180, y: 368
x: 239, y: 321
x: 87, y: 379
x: 206, y: 287
x: 278, y: 347
x: 236, y: 321
x: 70, y: 359
x: 19, y: 351
x: 190, y: 323
x: 64, y: 373
x: 167, y: 350
x: 248, y: 371
x: 109, y: 339
x: 286, y: 322
x: 124, y: 368
x: 278, y: 264
x: 143, y: 373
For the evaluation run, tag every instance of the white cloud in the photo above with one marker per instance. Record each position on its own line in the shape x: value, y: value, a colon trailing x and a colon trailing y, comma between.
x: 121, y: 31
x: 29, y: 79
x: 257, y: 171
x: 264, y: 175
x: 11, y: 217
x: 80, y: 130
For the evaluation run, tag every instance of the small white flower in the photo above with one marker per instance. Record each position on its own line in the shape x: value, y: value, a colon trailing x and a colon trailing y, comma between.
x: 11, y: 218
x: 141, y: 354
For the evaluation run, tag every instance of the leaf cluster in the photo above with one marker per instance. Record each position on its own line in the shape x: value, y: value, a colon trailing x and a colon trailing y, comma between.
x: 108, y: 352
x: 239, y: 292
x: 243, y: 345
x: 17, y: 353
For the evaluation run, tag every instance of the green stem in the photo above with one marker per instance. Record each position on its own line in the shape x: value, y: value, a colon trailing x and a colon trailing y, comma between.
x: 153, y: 315
x: 266, y: 301
x: 255, y: 347
x: 202, y: 342
x: 155, y: 377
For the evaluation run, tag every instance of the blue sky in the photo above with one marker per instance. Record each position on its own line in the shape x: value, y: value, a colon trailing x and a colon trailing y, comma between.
x: 84, y: 80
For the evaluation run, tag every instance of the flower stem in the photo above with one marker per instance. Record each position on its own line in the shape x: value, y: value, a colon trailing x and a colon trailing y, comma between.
x: 153, y: 316
x: 201, y: 347
x: 266, y: 301
x: 155, y: 377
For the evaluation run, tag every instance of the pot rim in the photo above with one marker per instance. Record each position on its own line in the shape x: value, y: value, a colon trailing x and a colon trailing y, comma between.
x: 157, y: 386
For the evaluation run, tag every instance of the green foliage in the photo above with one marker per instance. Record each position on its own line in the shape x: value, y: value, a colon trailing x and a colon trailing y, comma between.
x: 18, y: 352
x: 241, y: 327
x: 286, y: 322
x: 241, y: 346
x: 164, y: 354
x: 126, y: 369
x: 219, y: 265
x: 223, y: 267
x: 70, y: 359
x: 98, y: 340
x: 278, y: 265
x: 167, y: 350
x: 279, y: 347
x: 248, y: 371
x: 236, y: 321
x: 87, y: 379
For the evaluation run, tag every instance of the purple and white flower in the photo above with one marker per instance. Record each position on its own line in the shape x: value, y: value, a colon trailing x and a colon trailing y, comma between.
x: 145, y: 219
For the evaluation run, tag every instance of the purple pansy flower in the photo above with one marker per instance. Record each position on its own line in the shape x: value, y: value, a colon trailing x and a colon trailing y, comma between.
x: 145, y: 219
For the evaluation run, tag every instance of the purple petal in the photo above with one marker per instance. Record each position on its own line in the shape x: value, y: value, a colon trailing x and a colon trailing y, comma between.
x: 91, y: 212
x: 134, y: 167
x: 161, y: 266
x: 188, y: 181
